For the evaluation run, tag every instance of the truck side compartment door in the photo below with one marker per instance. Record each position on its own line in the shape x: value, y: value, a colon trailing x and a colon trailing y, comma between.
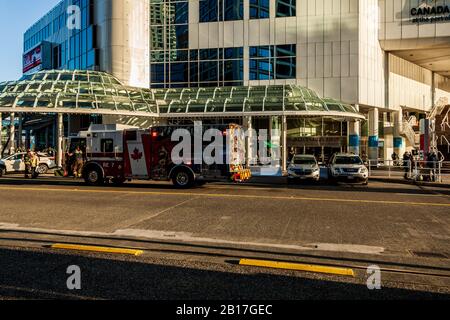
x: 135, y: 162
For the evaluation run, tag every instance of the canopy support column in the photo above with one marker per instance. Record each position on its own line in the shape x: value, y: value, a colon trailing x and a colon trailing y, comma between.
x: 60, y: 139
x: 251, y: 142
x: 19, y: 132
x: 354, y: 133
x: 12, y: 133
x: 373, y: 134
x: 284, y: 151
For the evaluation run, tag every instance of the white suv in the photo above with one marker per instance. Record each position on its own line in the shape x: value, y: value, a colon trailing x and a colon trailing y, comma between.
x: 303, y: 167
x: 348, y: 167
x: 15, y: 163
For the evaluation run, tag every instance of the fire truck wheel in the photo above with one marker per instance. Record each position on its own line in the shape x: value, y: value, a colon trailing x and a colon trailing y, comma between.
x: 183, y: 179
x: 93, y: 176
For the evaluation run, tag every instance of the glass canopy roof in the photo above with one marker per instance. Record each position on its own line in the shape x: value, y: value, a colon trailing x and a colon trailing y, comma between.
x: 82, y: 91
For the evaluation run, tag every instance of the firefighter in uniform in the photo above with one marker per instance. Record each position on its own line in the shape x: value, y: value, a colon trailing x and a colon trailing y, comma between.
x: 78, y: 162
x: 27, y: 161
x: 34, y: 164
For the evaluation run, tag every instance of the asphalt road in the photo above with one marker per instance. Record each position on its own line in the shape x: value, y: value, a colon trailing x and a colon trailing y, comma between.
x: 192, y: 239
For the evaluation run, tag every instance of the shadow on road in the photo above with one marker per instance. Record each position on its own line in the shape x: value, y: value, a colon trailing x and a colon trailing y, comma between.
x: 42, y: 275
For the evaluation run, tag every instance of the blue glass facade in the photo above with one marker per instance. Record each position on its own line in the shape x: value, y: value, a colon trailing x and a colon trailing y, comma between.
x: 285, y: 8
x: 71, y: 49
x: 204, y: 68
x: 273, y: 62
x: 173, y: 64
x: 221, y: 10
x: 259, y: 9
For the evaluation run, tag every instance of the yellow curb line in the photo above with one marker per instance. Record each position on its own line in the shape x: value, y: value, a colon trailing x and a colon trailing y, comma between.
x: 96, y: 249
x: 297, y: 266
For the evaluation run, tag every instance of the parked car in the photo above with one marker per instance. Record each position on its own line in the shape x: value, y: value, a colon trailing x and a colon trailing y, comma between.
x: 348, y: 167
x: 14, y: 163
x: 304, y: 167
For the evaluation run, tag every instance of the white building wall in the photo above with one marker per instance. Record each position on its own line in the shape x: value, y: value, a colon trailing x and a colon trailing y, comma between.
x: 410, y: 85
x: 371, y: 57
x: 396, y: 26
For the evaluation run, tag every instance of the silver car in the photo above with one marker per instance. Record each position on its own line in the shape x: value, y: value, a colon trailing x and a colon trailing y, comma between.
x: 348, y: 167
x: 304, y: 167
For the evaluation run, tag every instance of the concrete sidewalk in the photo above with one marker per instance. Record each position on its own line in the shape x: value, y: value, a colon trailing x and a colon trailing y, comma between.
x: 401, y: 180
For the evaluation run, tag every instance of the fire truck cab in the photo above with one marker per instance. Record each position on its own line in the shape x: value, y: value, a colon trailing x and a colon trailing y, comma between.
x: 117, y: 153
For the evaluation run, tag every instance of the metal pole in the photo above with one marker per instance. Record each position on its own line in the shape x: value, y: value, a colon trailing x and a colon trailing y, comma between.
x: 284, y: 152
x: 19, y: 132
x: 12, y: 133
x: 60, y: 139
x: 389, y: 166
x: 46, y: 137
x: 439, y: 168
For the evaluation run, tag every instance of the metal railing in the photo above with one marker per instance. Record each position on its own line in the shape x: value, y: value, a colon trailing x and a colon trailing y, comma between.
x: 415, y: 170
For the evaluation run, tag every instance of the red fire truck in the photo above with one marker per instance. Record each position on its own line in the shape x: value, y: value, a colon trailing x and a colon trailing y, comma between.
x: 118, y: 153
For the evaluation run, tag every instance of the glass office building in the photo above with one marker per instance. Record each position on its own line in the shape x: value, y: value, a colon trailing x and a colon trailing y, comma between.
x: 375, y: 55
x: 69, y: 49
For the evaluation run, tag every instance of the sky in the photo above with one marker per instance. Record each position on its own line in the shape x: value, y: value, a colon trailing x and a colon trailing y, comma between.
x: 16, y: 16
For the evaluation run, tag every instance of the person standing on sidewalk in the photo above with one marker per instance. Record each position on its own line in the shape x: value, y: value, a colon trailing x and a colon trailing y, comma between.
x: 407, y: 163
x: 34, y: 165
x: 432, y: 159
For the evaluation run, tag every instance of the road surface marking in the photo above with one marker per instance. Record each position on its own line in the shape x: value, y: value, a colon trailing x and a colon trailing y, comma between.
x: 137, y: 220
x: 297, y: 267
x: 78, y: 247
x: 224, y: 195
x: 188, y: 238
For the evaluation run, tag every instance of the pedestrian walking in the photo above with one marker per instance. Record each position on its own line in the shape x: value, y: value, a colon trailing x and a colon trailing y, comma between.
x: 291, y: 154
x: 394, y: 157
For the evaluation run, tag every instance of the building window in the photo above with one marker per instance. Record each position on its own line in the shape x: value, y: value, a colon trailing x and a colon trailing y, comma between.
x: 179, y: 72
x: 221, y: 10
x: 209, y: 10
x: 273, y: 62
x: 233, y: 10
x: 259, y: 9
x: 286, y: 8
x: 204, y: 67
x: 158, y: 72
x: 169, y: 37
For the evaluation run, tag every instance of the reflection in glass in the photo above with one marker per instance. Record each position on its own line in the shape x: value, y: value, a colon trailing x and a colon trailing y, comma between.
x: 286, y: 8
x: 259, y: 9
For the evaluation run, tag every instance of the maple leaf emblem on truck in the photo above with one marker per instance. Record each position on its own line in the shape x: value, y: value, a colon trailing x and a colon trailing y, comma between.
x: 136, y: 155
